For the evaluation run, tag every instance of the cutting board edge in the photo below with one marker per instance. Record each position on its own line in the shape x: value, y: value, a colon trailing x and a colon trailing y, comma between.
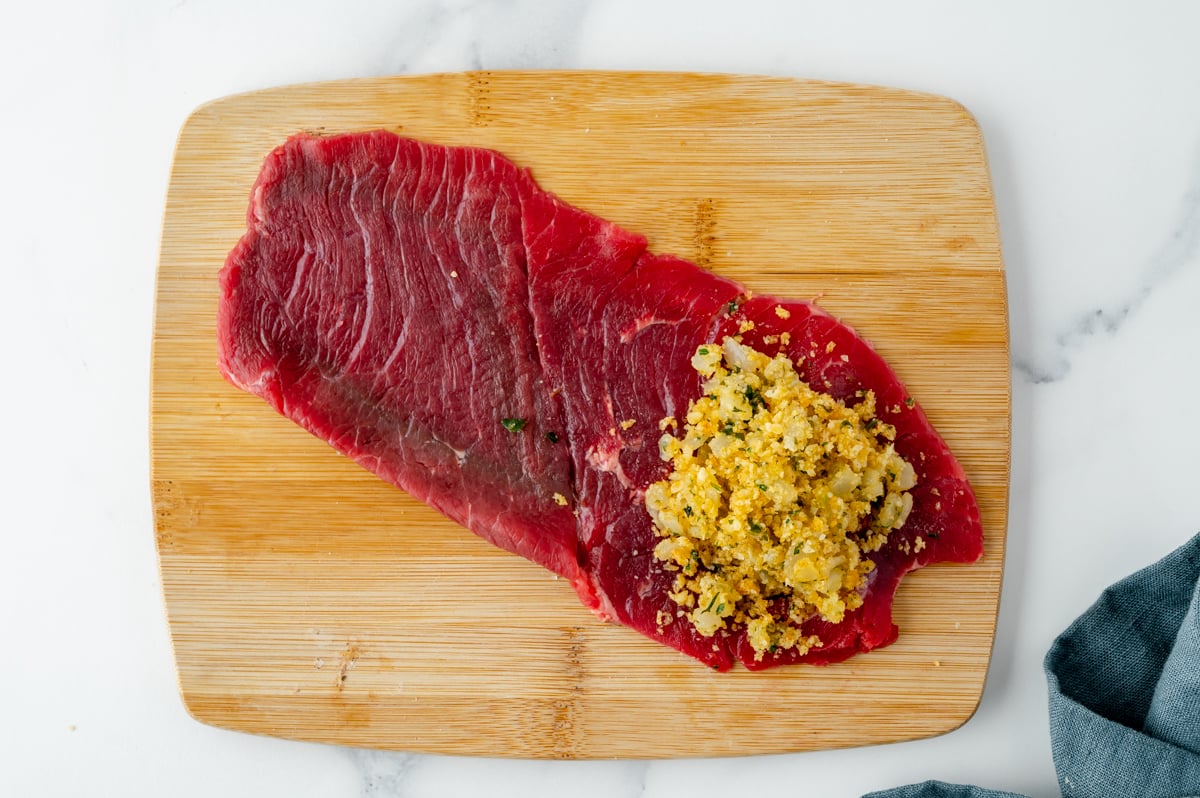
x: 594, y: 751
x: 211, y: 105
x: 195, y: 117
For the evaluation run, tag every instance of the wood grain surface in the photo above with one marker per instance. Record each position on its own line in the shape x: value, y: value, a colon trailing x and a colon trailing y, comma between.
x: 307, y: 599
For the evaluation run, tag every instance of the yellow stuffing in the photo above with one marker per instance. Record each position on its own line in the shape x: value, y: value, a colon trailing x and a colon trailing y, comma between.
x: 776, y: 495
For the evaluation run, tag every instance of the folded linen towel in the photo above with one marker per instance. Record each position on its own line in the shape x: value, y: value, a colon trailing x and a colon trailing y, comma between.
x: 1124, y: 684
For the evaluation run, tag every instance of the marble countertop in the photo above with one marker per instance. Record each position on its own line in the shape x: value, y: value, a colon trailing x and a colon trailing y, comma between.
x: 1092, y: 125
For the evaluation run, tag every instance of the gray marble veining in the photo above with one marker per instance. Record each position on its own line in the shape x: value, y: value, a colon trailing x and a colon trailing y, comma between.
x: 510, y: 34
x: 1180, y: 251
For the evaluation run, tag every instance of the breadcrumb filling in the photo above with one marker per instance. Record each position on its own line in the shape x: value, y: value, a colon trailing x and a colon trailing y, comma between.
x: 776, y: 495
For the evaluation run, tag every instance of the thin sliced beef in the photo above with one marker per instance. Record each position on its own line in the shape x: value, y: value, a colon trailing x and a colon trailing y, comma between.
x: 379, y: 299
x: 401, y: 300
x: 617, y: 343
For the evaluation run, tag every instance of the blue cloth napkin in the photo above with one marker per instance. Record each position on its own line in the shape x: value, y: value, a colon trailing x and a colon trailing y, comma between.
x: 1124, y: 683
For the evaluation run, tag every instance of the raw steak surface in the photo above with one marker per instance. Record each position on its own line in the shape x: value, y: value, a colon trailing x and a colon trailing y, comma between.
x: 379, y: 299
x: 401, y: 300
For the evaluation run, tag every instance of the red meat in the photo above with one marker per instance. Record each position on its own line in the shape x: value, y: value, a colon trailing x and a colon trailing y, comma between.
x: 402, y: 301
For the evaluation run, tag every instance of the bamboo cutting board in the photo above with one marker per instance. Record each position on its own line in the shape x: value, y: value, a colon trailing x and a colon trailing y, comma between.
x: 307, y: 599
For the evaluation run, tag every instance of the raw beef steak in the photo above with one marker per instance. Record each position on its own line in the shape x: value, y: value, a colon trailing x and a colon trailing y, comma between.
x: 432, y: 313
x: 379, y: 299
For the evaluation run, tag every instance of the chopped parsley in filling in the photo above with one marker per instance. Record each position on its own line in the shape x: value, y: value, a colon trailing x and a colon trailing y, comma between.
x: 776, y: 495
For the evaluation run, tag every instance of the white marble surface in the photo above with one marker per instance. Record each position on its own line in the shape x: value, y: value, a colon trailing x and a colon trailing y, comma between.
x: 1092, y: 123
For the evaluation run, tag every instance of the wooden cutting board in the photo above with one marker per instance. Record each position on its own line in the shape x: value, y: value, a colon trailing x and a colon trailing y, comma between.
x: 309, y: 600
